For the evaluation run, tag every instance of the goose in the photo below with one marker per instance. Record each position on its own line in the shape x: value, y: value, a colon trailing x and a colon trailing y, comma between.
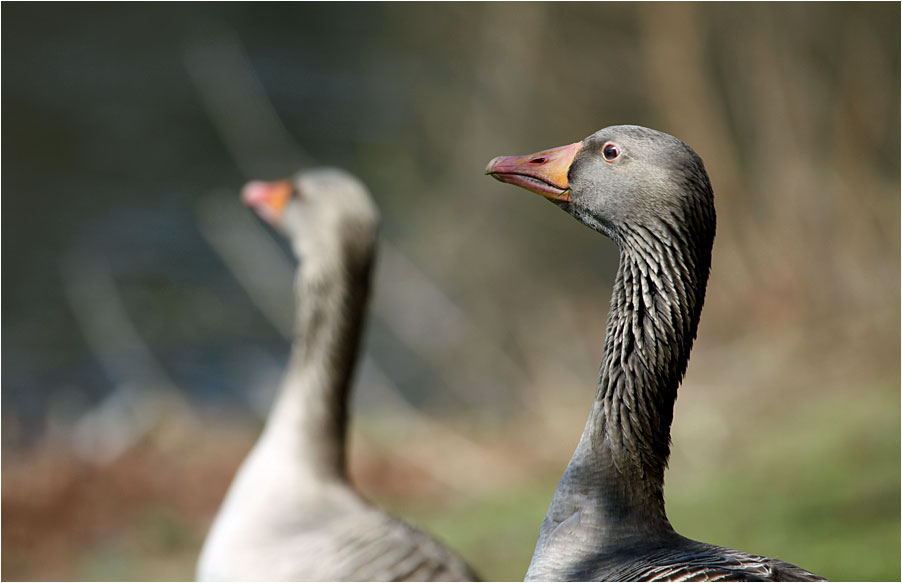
x: 291, y: 512
x: 649, y: 192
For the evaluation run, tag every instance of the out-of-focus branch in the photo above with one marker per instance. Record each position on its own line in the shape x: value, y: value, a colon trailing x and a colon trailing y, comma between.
x: 144, y: 395
x: 237, y: 104
x: 422, y: 316
x: 252, y: 256
x: 681, y: 90
x: 480, y: 125
x: 453, y: 471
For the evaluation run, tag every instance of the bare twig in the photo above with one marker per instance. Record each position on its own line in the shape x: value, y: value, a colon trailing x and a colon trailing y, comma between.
x: 144, y: 395
x: 237, y: 104
x: 252, y: 256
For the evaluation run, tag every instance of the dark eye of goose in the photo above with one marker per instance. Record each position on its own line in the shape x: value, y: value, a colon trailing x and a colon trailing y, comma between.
x: 611, y: 151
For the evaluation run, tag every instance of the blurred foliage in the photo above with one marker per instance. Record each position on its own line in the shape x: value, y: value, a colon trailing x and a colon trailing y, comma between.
x: 135, y: 354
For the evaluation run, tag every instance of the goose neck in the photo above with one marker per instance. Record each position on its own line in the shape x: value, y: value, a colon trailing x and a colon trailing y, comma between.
x: 655, y: 307
x: 310, y: 412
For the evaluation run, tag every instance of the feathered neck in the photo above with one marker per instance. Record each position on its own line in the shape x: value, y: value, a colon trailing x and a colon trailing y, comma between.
x: 611, y: 493
x: 310, y: 413
x: 655, y: 307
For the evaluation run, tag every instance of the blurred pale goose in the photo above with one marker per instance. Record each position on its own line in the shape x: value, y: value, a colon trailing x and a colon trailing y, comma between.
x: 291, y: 513
x: 649, y: 192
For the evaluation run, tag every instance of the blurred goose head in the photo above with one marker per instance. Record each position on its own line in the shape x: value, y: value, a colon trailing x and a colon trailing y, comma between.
x: 327, y: 214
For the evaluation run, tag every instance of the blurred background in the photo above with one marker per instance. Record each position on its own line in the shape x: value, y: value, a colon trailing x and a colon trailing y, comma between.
x: 145, y: 310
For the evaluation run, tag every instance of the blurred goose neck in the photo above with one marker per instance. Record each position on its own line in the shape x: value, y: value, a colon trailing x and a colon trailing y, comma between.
x: 310, y: 413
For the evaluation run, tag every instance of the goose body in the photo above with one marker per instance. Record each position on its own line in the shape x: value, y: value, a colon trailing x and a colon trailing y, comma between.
x: 291, y: 512
x: 649, y: 192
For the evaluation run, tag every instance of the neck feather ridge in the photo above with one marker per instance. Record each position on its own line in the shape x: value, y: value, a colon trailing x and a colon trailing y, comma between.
x: 655, y: 307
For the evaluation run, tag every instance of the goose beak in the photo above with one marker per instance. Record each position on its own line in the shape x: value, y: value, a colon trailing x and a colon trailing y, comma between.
x: 268, y: 199
x: 544, y: 173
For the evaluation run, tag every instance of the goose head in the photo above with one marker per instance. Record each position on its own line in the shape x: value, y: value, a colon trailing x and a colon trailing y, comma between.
x: 619, y: 179
x: 326, y: 213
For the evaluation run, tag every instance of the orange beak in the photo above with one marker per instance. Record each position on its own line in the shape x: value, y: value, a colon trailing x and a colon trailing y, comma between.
x: 544, y: 172
x: 268, y: 199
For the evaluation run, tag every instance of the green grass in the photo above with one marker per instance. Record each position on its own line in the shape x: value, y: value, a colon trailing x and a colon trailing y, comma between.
x: 820, y: 488
x: 495, y: 533
x: 817, y: 485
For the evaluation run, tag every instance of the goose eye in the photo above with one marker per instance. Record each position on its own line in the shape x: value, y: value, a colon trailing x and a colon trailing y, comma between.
x: 611, y: 151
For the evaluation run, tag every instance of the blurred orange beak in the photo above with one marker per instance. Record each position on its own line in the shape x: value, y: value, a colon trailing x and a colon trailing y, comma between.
x: 268, y: 199
x: 544, y: 172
